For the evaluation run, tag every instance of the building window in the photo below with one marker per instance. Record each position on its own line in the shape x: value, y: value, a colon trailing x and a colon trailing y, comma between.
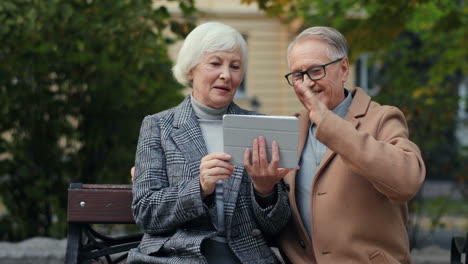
x: 240, y: 94
x: 368, y: 74
x: 462, y: 117
x: 241, y: 91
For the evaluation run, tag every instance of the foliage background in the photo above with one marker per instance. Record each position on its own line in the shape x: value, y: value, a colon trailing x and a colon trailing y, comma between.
x: 78, y: 76
x: 421, y: 47
x: 76, y: 79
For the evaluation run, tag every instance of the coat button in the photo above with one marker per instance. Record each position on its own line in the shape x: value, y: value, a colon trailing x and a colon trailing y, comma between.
x: 256, y: 233
x: 302, y: 243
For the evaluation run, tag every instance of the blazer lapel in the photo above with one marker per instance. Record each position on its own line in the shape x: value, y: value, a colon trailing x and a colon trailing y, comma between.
x: 189, y: 139
x: 232, y: 185
x: 187, y: 134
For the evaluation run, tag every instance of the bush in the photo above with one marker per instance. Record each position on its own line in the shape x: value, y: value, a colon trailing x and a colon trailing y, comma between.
x: 76, y: 79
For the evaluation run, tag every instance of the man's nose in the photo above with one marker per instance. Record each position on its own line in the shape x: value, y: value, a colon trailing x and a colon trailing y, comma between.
x: 308, y: 81
x: 306, y: 78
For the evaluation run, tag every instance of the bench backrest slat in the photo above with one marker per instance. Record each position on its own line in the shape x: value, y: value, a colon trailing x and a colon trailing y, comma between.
x: 102, y: 203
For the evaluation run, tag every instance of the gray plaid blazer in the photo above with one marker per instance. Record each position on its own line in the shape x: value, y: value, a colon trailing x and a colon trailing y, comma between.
x: 167, y: 203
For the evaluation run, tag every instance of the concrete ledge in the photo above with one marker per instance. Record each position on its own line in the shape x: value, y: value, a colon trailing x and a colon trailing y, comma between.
x: 35, y: 250
x: 43, y: 250
x: 430, y: 255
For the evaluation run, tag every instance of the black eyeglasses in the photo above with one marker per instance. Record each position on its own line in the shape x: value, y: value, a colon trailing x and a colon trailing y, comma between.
x: 314, y: 73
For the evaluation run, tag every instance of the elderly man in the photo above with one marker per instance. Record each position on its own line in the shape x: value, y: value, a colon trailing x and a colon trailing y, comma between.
x: 357, y: 170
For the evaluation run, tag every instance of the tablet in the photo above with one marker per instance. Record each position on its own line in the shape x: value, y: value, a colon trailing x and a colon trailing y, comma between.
x: 239, y: 131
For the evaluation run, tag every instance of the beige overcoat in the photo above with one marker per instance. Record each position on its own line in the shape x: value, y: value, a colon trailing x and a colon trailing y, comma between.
x: 360, y: 190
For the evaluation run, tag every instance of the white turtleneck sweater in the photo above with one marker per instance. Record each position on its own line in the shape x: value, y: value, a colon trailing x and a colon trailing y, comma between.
x: 216, y: 249
x: 211, y: 124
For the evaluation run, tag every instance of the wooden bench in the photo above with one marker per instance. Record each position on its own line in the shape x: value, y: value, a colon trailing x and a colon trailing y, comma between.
x: 111, y: 204
x: 458, y: 248
x: 98, y: 204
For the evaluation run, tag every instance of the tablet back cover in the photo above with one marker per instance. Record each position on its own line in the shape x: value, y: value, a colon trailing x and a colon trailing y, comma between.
x: 239, y: 131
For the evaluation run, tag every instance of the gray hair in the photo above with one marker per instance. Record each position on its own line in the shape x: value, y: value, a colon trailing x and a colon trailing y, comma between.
x: 207, y: 37
x: 337, y: 44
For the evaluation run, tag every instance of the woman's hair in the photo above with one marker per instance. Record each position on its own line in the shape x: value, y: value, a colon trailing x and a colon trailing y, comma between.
x: 207, y: 37
x: 337, y: 44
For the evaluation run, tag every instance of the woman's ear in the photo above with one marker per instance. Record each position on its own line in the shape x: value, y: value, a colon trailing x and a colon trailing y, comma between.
x: 190, y: 75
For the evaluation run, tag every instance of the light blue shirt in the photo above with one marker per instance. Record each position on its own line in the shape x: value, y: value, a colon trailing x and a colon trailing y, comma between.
x: 311, y: 157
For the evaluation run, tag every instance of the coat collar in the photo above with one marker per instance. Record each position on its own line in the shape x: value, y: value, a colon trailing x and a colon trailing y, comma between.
x: 358, y: 108
x: 184, y: 113
x: 187, y: 133
x: 360, y: 104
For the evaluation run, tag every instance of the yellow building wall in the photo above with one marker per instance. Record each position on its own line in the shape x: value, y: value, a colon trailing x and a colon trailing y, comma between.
x: 267, y: 39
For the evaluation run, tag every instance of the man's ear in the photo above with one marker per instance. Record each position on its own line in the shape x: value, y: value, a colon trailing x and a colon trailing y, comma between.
x: 344, y: 67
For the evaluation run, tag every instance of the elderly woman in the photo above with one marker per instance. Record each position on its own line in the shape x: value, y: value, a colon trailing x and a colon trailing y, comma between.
x: 179, y: 165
